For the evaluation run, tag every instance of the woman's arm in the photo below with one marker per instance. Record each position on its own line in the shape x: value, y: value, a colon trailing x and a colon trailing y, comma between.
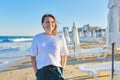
x: 34, y: 64
x: 63, y: 61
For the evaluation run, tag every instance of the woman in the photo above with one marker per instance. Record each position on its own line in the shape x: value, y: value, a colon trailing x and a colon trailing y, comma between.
x: 49, y: 51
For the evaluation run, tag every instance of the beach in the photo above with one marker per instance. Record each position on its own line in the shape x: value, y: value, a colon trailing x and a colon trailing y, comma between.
x: 15, y: 63
x: 22, y: 70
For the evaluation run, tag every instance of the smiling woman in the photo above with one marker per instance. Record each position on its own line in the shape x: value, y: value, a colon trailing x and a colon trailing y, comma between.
x: 51, y: 51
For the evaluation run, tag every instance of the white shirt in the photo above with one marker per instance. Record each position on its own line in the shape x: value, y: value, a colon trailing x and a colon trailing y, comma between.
x: 48, y: 49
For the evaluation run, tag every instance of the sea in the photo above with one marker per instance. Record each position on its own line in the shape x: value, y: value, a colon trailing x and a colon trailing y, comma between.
x: 13, y: 49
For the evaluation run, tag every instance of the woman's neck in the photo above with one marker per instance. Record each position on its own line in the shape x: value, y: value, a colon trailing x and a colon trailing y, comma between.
x: 48, y: 33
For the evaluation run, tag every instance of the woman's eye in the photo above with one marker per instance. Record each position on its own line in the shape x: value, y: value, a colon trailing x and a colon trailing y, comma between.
x: 50, y: 22
x: 53, y: 22
x: 47, y: 22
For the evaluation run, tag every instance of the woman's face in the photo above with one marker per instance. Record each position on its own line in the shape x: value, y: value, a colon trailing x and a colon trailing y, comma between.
x: 48, y: 24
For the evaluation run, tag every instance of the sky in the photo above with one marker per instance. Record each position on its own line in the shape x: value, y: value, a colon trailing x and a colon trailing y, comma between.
x: 23, y: 17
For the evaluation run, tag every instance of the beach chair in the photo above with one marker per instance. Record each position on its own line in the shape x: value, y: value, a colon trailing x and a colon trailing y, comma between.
x: 94, y: 69
x: 93, y: 51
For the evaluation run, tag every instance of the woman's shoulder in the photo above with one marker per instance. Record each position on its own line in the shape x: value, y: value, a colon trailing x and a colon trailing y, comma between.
x: 38, y: 35
x: 60, y: 35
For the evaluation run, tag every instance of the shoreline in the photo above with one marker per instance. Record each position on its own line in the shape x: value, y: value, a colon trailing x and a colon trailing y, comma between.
x: 21, y: 70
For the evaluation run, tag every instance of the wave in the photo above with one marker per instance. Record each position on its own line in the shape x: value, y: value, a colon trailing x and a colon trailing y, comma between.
x: 3, y: 62
x: 22, y: 39
x: 6, y: 64
x: 15, y: 39
x: 8, y: 49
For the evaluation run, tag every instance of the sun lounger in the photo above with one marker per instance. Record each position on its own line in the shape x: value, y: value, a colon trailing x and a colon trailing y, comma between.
x: 94, y: 51
x: 94, y: 69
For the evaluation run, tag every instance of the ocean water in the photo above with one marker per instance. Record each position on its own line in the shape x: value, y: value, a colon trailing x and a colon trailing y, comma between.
x: 12, y: 49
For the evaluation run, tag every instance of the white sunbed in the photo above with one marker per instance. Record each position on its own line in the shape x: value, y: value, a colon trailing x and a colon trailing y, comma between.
x: 94, y: 51
x: 94, y: 69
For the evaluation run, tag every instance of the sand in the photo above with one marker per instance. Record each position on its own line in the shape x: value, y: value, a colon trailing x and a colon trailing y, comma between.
x: 22, y: 70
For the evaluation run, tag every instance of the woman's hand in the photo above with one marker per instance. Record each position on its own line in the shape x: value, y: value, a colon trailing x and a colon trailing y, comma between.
x: 63, y: 61
x: 34, y: 64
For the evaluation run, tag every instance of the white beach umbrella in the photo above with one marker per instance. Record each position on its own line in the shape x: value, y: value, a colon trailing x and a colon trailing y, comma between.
x: 114, y: 26
x: 107, y: 37
x: 75, y: 36
x: 82, y: 33
x: 114, y: 20
x: 102, y: 33
x: 67, y: 35
x: 94, y: 35
x: 88, y: 34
